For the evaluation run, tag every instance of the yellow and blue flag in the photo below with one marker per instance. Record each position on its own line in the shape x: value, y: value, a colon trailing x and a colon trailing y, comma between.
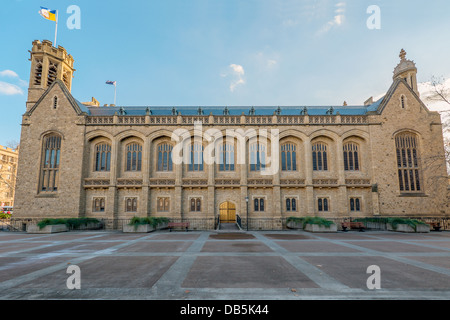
x: 48, y: 14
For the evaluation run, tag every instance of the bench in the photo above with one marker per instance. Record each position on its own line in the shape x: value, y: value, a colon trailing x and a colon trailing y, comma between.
x: 353, y: 225
x: 172, y: 225
x: 435, y: 225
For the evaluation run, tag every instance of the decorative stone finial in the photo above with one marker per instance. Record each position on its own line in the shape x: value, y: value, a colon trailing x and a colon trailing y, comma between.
x: 345, y: 103
x: 402, y: 54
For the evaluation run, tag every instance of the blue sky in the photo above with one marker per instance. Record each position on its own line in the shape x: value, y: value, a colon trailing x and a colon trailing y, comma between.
x: 224, y: 52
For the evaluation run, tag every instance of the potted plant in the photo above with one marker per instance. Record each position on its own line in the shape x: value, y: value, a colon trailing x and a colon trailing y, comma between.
x: 318, y: 224
x: 48, y: 225
x: 294, y: 223
x: 407, y: 225
x: 145, y: 224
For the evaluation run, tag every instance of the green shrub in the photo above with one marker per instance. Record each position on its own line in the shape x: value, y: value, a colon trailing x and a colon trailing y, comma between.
x: 413, y: 223
x: 311, y: 220
x: 153, y: 221
x: 394, y: 221
x: 71, y: 223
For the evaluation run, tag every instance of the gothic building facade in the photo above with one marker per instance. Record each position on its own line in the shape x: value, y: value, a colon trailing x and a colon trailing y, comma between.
x: 382, y: 158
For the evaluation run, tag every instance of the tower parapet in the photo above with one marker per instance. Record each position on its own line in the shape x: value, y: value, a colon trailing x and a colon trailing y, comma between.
x: 406, y: 69
x: 48, y: 64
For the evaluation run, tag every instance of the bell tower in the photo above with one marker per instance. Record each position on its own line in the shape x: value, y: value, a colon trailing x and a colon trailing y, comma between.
x: 407, y: 71
x: 48, y: 64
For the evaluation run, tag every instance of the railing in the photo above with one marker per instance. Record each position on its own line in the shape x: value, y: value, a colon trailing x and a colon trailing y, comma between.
x: 238, y: 221
x: 5, y: 225
x: 228, y: 120
x: 254, y: 224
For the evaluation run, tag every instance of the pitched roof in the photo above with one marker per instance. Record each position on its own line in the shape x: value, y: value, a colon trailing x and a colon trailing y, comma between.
x: 232, y: 110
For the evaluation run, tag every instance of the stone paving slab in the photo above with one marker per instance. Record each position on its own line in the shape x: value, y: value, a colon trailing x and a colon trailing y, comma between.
x: 245, y: 272
x: 13, y: 267
x: 235, y: 246
x: 209, y: 265
x: 124, y: 272
x: 390, y: 246
x: 314, y: 246
x: 352, y: 271
x: 153, y: 246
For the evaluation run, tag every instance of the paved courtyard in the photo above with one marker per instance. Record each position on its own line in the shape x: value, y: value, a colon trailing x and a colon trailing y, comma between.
x: 209, y: 265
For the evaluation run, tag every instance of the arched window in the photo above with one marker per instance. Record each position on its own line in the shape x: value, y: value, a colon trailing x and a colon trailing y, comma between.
x: 165, y: 157
x: 319, y: 154
x: 196, y: 204
x: 258, y: 204
x: 102, y: 157
x: 257, y: 157
x: 49, y: 180
x: 322, y: 204
x: 66, y: 79
x: 409, y: 174
x: 38, y: 72
x: 226, y: 157
x: 196, y: 157
x: 288, y: 157
x: 98, y: 205
x: 351, y: 160
x: 134, y: 157
x: 52, y: 73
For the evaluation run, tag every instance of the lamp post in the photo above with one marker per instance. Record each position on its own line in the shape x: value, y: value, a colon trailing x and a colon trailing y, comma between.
x: 246, y: 201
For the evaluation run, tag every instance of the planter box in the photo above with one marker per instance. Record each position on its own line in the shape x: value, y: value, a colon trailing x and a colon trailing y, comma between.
x: 375, y: 225
x: 143, y: 228
x: 294, y: 225
x: 421, y: 228
x: 33, y: 228
x: 318, y: 228
x: 90, y: 226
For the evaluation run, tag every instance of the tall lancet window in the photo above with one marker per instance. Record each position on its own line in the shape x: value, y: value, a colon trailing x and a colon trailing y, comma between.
x: 320, y: 158
x: 102, y: 157
x: 288, y: 157
x: 409, y: 173
x: 196, y: 157
x: 351, y: 159
x: 165, y: 157
x: 52, y: 73
x: 51, y: 153
x: 38, y: 72
x: 134, y: 157
x: 257, y: 154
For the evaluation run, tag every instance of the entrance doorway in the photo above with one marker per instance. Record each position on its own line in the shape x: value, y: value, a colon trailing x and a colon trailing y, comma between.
x: 227, y: 212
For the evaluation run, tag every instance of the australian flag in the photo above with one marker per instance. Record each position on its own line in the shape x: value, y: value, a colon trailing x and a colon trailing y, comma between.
x: 111, y: 82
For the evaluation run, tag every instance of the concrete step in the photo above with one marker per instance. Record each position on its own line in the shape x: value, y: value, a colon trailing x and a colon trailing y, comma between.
x: 229, y: 227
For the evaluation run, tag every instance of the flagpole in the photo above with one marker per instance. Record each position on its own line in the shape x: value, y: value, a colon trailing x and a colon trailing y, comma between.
x: 56, y: 27
x: 115, y: 93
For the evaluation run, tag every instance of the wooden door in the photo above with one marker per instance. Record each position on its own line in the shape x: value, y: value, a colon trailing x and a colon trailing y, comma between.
x: 227, y: 212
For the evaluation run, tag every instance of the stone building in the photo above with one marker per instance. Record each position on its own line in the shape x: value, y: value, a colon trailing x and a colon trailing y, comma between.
x: 8, y: 171
x: 256, y: 164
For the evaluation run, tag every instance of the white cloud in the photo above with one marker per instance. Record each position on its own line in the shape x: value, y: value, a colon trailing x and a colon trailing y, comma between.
x: 237, y: 74
x: 9, y: 89
x: 271, y: 62
x: 338, y: 19
x: 426, y: 90
x: 8, y: 73
x: 237, y: 69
